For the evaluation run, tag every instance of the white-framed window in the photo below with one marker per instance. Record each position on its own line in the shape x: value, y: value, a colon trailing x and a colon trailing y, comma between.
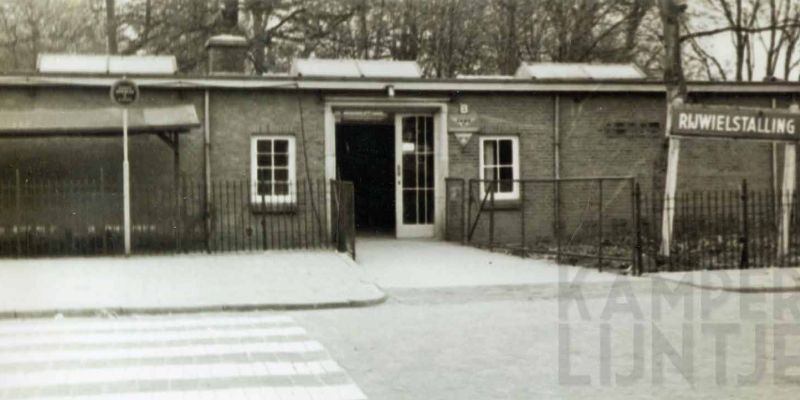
x: 499, y: 161
x: 272, y: 169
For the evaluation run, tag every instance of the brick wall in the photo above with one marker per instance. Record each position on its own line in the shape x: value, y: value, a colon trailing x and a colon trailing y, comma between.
x: 587, y: 147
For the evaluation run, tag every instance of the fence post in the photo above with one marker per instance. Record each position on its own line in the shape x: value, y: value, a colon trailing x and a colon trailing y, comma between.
x: 637, y: 221
x: 18, y: 211
x: 467, y: 229
x: 492, y: 189
x: 464, y: 208
x: 600, y: 225
x: 557, y: 225
x: 745, y: 239
x: 524, y: 242
x: 351, y: 211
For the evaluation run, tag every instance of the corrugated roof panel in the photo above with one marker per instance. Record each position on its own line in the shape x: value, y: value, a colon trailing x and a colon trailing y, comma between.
x: 389, y: 69
x: 578, y: 71
x: 105, y: 64
x: 325, y: 68
x: 60, y: 63
x: 355, y: 68
x: 143, y: 65
x: 484, y: 77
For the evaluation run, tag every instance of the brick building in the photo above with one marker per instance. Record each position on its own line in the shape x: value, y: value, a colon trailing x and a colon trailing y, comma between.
x: 397, y: 135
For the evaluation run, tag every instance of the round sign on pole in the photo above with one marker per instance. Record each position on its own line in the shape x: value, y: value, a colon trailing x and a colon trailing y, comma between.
x: 124, y: 92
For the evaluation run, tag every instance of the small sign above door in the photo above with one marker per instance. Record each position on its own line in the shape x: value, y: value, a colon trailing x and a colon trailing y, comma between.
x: 463, y: 122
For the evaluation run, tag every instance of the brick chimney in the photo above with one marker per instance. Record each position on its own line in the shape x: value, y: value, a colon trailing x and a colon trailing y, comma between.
x: 226, y: 54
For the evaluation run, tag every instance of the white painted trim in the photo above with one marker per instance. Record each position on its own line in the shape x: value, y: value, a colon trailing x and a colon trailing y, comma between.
x: 379, y: 102
x: 514, y: 195
x: 410, y: 230
x: 442, y: 167
x: 273, y: 199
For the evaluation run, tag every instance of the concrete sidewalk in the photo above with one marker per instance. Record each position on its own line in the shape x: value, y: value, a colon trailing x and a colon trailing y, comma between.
x: 738, y: 280
x: 182, y: 283
x: 429, y: 264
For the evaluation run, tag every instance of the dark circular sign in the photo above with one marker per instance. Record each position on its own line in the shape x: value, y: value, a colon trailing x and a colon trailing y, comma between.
x: 124, y: 92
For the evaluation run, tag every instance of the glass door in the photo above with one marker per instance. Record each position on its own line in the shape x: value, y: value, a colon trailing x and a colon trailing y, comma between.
x: 414, y: 159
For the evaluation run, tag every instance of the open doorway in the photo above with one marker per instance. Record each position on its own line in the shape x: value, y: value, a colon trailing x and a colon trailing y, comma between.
x: 365, y: 155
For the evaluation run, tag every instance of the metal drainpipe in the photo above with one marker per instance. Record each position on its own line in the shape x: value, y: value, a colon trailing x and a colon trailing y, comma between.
x: 556, y: 138
x: 207, y: 164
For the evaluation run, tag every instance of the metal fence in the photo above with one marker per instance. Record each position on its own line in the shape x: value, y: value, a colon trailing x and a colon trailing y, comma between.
x: 606, y: 222
x: 720, y: 229
x: 85, y: 218
x: 577, y: 220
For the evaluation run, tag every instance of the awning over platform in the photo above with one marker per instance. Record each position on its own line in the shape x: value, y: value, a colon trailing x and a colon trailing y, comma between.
x: 97, y: 121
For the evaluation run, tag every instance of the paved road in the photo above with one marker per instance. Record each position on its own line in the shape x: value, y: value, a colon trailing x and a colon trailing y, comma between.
x: 214, y: 356
x: 601, y: 340
x: 510, y: 343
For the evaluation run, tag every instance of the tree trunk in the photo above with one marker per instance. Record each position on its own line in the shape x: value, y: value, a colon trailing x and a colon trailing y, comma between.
x: 111, y: 27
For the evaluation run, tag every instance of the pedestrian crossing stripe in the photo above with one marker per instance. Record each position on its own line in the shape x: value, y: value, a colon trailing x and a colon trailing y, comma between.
x: 44, y: 326
x: 253, y: 356
x: 124, y: 337
x: 169, y: 372
x: 144, y: 352
x: 333, y: 392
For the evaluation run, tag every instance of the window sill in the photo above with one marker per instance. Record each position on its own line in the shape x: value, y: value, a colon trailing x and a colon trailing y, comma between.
x: 274, y: 208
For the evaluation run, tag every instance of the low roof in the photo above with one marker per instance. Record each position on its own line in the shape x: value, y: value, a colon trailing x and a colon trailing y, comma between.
x: 355, y: 68
x: 579, y: 71
x: 96, y: 121
x: 416, y: 85
x: 106, y: 64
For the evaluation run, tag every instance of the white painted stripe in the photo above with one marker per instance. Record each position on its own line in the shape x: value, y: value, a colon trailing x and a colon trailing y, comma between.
x: 11, y: 343
x: 331, y: 392
x: 167, y: 372
x: 40, y: 326
x: 158, y: 352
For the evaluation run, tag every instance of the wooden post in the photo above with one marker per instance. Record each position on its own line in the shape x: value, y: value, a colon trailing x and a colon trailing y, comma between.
x: 671, y: 182
x: 671, y: 11
x: 787, y: 192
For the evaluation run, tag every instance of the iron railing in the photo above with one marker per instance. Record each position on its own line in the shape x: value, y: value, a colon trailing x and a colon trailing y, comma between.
x: 731, y: 229
x: 578, y: 220
x: 85, y: 217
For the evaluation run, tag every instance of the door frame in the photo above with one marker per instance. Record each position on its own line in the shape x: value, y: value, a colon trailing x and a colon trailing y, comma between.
x: 437, y: 106
x: 409, y: 230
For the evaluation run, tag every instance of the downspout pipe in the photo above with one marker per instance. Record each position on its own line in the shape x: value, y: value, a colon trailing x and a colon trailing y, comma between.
x: 207, y: 165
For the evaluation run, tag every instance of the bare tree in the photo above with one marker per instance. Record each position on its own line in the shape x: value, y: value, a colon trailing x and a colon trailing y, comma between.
x: 111, y: 27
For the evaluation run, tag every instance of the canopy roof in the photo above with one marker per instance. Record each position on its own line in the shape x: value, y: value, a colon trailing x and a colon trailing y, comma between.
x: 96, y: 121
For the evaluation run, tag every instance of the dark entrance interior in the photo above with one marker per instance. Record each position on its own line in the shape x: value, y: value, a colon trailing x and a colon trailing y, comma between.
x: 365, y: 156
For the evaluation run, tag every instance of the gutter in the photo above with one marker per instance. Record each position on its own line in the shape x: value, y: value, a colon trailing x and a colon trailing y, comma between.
x: 375, y: 84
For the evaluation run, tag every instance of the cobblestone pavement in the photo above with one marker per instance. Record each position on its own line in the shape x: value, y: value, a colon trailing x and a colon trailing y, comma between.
x: 620, y: 341
x: 211, y: 356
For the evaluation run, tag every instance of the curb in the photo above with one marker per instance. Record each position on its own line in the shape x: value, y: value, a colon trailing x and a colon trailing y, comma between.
x: 745, y: 289
x: 93, y: 312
